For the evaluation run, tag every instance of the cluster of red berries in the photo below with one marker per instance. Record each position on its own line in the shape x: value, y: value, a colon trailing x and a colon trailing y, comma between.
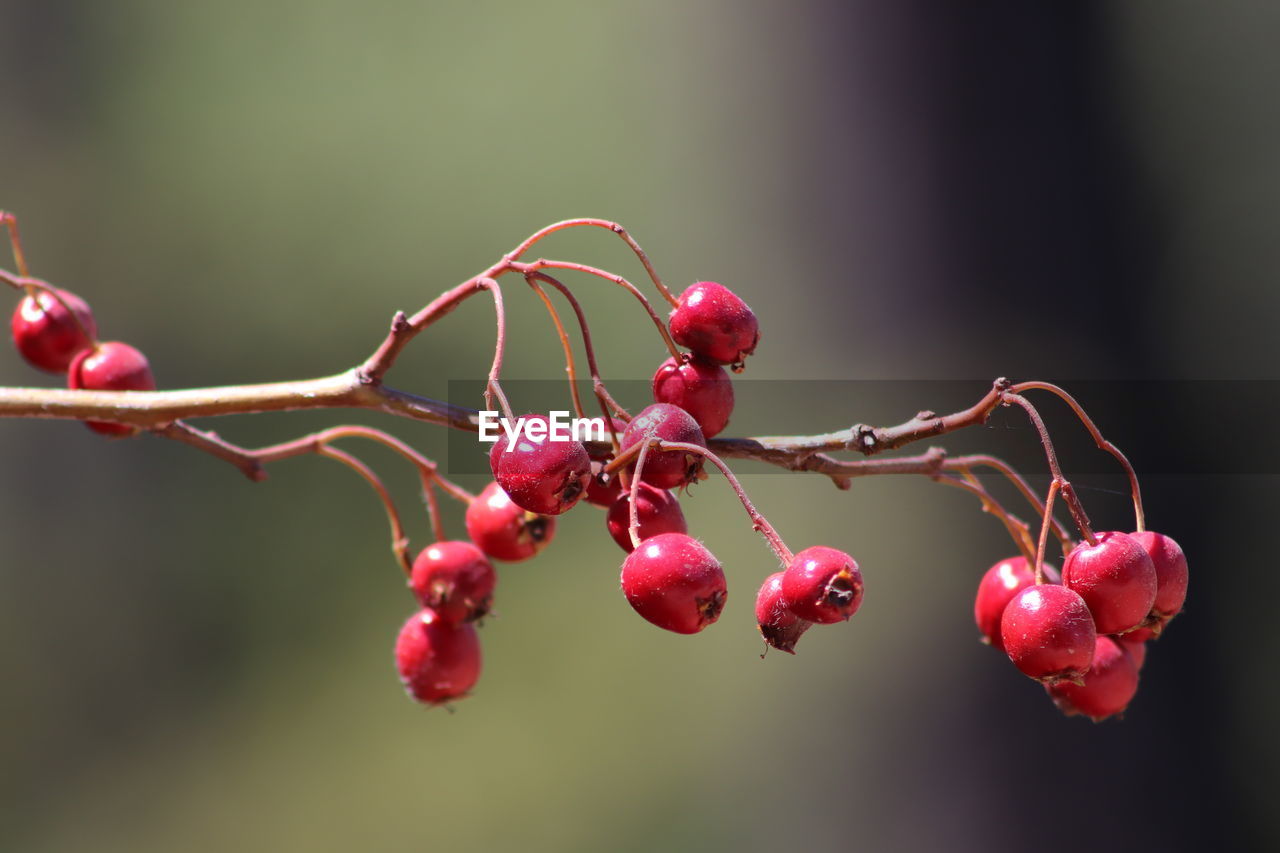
x: 54, y: 330
x: 1084, y: 634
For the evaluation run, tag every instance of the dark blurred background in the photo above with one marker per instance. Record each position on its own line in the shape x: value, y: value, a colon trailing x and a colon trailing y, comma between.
x: 901, y: 190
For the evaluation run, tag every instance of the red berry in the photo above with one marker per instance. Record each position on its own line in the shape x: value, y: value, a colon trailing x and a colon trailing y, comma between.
x: 822, y: 585
x: 503, y: 530
x: 1116, y: 579
x: 1108, y: 688
x: 438, y: 660
x: 539, y: 474
x: 658, y: 512
x: 1137, y: 649
x: 1048, y: 633
x: 712, y: 321
x: 47, y: 335
x: 666, y: 469
x: 111, y: 366
x: 675, y: 583
x: 454, y: 579
x: 602, y: 492
x: 700, y: 387
x: 1171, y: 575
x: 997, y: 588
x: 780, y: 627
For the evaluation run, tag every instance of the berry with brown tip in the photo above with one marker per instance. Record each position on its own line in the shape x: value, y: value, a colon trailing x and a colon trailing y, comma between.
x: 666, y: 469
x: 780, y: 627
x: 505, y: 531
x: 673, y: 581
x: 822, y: 585
x: 538, y: 473
x: 715, y: 323
x: 454, y: 579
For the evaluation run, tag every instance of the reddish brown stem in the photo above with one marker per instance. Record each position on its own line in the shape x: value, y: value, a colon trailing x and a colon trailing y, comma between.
x: 1019, y: 482
x: 1016, y: 528
x: 564, y: 345
x: 598, y: 223
x: 1138, y: 514
x: 1054, y: 485
x: 633, y: 529
x: 1068, y: 494
x: 399, y: 542
x: 19, y: 257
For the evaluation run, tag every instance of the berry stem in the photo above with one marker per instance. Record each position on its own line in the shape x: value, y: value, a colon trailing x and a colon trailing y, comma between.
x: 1068, y: 493
x: 1140, y: 520
x: 564, y: 345
x: 19, y: 257
x: 515, y: 254
x: 608, y: 406
x: 1018, y: 529
x: 633, y: 530
x: 758, y: 521
x: 399, y: 542
x: 433, y: 508
x: 1044, y: 530
x: 1023, y: 487
x: 492, y: 387
x: 544, y: 263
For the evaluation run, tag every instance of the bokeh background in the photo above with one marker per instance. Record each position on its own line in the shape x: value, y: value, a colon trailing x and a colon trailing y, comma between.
x: 902, y: 191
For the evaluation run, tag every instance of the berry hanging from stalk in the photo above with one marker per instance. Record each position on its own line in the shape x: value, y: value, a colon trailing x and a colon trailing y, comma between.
x: 715, y: 323
x: 111, y: 366
x: 505, y: 531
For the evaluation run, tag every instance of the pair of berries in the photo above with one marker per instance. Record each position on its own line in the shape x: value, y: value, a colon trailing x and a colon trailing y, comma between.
x: 438, y: 649
x: 55, y: 331
x: 1083, y: 638
x: 820, y: 585
x: 719, y: 329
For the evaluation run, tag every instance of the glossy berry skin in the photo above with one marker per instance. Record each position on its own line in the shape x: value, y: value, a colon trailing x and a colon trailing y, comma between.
x: 1116, y: 579
x: 658, y: 512
x: 713, y: 322
x: 666, y: 469
x: 675, y: 583
x: 503, y: 530
x: 700, y: 387
x: 438, y: 660
x: 1108, y: 688
x: 455, y: 580
x: 997, y: 588
x: 1048, y: 633
x: 822, y: 585
x: 541, y: 475
x: 780, y: 627
x: 1171, y: 575
x: 111, y: 366
x: 46, y: 334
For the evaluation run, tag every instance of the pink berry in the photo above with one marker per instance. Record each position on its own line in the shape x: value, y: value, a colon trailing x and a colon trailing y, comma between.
x: 1116, y: 579
x: 503, y: 530
x: 780, y: 627
x: 1137, y: 649
x: 700, y: 387
x: 1048, y: 633
x: 1171, y: 575
x: 997, y: 588
x: 658, y: 512
x: 675, y: 583
x: 438, y: 660
x: 666, y: 469
x: 47, y: 335
x: 454, y: 579
x: 539, y: 474
x: 1108, y: 687
x: 111, y: 366
x: 822, y: 585
x: 712, y: 321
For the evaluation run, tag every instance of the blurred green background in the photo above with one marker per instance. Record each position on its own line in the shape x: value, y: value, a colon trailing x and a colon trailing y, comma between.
x: 247, y: 191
